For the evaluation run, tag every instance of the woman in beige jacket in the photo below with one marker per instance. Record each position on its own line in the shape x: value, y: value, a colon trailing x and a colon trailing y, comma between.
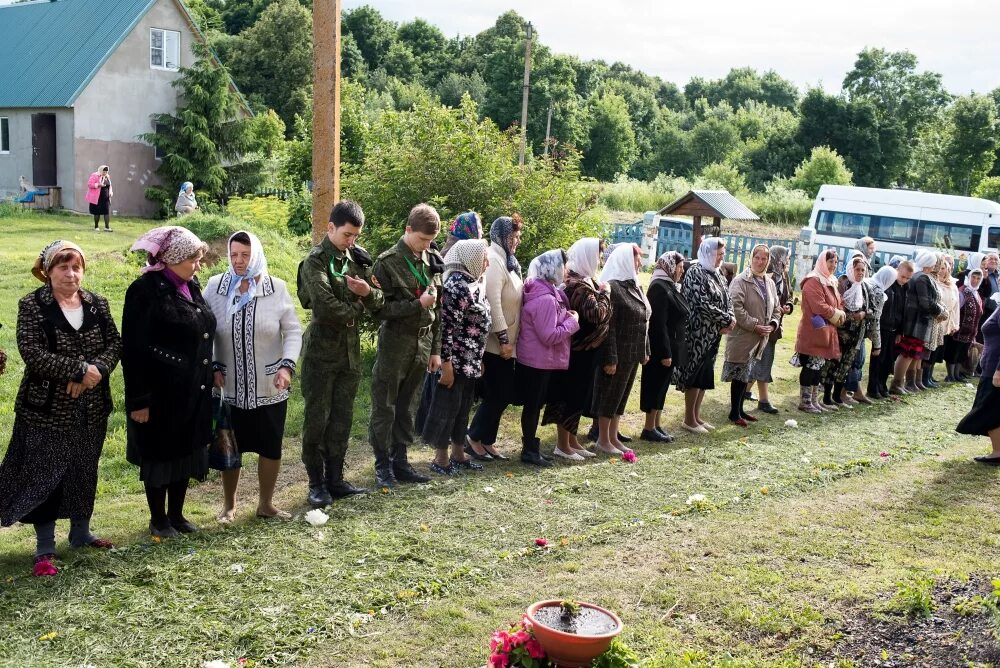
x: 503, y: 291
x: 758, y: 312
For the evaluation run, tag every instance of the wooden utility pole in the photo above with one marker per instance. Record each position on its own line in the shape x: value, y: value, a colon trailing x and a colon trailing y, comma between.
x: 548, y: 130
x: 524, y: 94
x: 326, y: 113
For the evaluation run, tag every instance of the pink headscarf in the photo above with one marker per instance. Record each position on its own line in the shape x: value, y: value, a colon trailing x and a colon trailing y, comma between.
x: 168, y: 245
x: 821, y: 271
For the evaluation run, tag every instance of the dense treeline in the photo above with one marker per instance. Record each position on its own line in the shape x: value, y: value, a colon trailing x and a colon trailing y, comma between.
x: 892, y: 124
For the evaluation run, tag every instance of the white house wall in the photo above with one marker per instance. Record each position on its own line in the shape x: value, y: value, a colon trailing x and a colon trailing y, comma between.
x: 117, y: 106
x: 17, y: 162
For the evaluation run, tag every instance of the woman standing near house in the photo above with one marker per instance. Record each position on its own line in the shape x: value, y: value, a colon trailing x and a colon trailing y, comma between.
x: 167, y: 332
x: 258, y: 338
x: 99, y: 194
x: 70, y: 346
x: 706, y: 292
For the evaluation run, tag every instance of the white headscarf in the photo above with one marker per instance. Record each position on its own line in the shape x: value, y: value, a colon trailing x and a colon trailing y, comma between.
x: 883, y: 278
x: 975, y: 261
x: 585, y: 257
x: 466, y: 256
x: 854, y: 296
x: 706, y: 252
x: 548, y: 267
x: 925, y: 258
x: 621, y: 264
x: 256, y: 268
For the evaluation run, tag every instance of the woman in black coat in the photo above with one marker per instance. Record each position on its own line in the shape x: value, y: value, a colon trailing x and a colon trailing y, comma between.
x: 667, y: 341
x: 167, y: 331
x: 70, y: 345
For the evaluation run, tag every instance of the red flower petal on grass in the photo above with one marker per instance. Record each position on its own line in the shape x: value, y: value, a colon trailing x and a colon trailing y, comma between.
x: 541, y: 542
x: 628, y: 457
x: 884, y: 454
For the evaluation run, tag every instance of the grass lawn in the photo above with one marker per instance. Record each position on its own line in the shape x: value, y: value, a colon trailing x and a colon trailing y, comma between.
x: 807, y: 539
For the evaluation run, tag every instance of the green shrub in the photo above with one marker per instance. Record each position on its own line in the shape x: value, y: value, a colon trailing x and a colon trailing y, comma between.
x: 781, y: 205
x: 163, y: 199
x: 625, y: 194
x: 212, y: 226
x: 299, y: 220
x: 268, y: 211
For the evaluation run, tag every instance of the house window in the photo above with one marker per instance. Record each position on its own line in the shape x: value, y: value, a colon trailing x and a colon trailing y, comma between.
x: 4, y: 134
x: 158, y: 152
x: 164, y: 49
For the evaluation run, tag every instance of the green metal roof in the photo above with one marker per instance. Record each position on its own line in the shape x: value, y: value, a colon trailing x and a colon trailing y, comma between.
x: 49, y: 51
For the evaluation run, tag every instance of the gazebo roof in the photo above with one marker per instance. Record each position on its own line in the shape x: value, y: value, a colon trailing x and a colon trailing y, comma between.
x: 710, y: 204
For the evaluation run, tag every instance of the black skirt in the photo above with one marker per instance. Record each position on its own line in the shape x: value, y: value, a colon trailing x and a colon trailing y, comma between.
x: 260, y: 429
x: 984, y: 416
x: 654, y: 385
x: 571, y: 391
x: 103, y: 206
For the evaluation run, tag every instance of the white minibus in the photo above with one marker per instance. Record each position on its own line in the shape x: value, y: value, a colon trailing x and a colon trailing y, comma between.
x: 900, y: 221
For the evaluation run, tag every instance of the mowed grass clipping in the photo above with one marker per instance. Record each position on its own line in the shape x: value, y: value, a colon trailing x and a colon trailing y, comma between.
x: 797, y: 526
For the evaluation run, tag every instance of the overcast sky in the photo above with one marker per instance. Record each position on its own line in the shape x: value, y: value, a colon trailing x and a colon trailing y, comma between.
x: 811, y: 43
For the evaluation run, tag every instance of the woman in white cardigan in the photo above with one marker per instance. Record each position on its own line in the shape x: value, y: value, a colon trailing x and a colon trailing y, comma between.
x: 503, y: 291
x: 257, y: 340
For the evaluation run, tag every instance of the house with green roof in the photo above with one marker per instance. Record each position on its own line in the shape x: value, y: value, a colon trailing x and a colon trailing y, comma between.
x: 80, y: 81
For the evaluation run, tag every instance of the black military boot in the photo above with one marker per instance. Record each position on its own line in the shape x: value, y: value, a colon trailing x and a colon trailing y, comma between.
x: 384, y: 477
x: 335, y: 483
x: 402, y: 469
x: 318, y: 494
x: 530, y: 452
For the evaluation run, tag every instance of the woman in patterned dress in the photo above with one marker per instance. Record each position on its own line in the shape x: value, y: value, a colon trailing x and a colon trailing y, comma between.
x: 859, y: 307
x: 465, y: 324
x: 70, y: 345
x: 706, y: 292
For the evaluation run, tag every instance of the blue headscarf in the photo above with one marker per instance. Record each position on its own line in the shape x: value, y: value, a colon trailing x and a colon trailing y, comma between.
x: 184, y: 187
x: 548, y: 267
x: 257, y: 267
x: 501, y: 233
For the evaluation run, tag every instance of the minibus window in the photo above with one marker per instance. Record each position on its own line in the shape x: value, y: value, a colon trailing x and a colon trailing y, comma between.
x: 898, y: 230
x: 993, y: 238
x: 841, y: 224
x: 949, y: 235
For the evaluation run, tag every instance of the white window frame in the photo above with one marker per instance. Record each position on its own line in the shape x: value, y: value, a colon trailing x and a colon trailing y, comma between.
x: 164, y: 33
x: 4, y: 121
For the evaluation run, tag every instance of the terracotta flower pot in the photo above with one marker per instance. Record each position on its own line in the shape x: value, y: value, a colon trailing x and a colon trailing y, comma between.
x: 571, y: 650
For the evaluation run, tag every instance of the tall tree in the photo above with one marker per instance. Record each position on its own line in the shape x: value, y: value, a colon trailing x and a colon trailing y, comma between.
x: 972, y: 141
x: 373, y: 33
x: 612, y: 146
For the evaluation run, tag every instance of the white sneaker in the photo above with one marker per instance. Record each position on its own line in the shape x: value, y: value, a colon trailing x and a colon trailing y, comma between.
x: 586, y: 454
x: 573, y: 457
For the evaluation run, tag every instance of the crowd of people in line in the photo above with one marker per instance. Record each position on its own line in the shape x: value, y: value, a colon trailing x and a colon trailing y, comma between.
x: 565, y: 340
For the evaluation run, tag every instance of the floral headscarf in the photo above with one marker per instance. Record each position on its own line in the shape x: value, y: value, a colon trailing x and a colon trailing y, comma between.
x: 501, y: 233
x: 862, y: 245
x: 779, y: 260
x: 168, y: 245
x: 465, y: 226
x: 43, y: 262
x: 257, y: 267
x: 585, y: 257
x: 883, y: 278
x: 467, y: 256
x: 548, y: 267
x: 895, y: 260
x: 666, y: 265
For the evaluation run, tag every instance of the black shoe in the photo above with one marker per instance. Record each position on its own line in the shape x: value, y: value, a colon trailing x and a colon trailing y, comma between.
x: 767, y: 408
x: 622, y: 438
x: 163, y: 529
x: 340, y: 488
x: 385, y: 477
x: 499, y: 456
x: 451, y: 469
x: 467, y: 465
x: 986, y: 459
x: 652, y: 436
x: 750, y: 397
x: 406, y: 473
x: 467, y: 448
x: 318, y: 495
x: 534, y: 458
x: 593, y: 434
x: 666, y: 434
x: 183, y: 525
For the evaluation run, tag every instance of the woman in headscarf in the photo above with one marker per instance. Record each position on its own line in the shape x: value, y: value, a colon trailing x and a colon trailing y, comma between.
x: 99, y: 194
x: 258, y: 338
x: 465, y: 325
x: 758, y: 311
x: 859, y: 306
x: 777, y: 271
x: 543, y: 344
x: 625, y: 348
x: 895, y: 260
x: 571, y: 390
x: 949, y: 350
x: 970, y: 314
x: 707, y: 293
x: 934, y: 344
x: 881, y: 287
x: 466, y: 225
x: 866, y: 246
x: 816, y: 340
x: 167, y: 332
x: 70, y: 345
x: 667, y: 345
x: 983, y: 418
x: 186, y: 202
x: 920, y: 312
x: 504, y: 289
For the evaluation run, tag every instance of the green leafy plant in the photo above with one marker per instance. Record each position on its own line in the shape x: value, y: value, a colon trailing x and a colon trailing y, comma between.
x: 618, y: 655
x: 914, y: 598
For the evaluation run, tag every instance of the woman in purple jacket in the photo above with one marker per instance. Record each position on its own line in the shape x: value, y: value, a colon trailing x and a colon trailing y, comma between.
x: 543, y: 344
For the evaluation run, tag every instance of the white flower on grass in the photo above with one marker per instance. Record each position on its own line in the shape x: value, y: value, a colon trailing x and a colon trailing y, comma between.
x: 237, y: 568
x: 791, y: 423
x: 488, y: 490
x: 217, y: 663
x: 695, y: 498
x: 317, y: 517
x: 320, y: 536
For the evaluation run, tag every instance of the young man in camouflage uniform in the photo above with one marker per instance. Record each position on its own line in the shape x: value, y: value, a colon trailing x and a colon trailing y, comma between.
x: 335, y: 281
x: 409, y: 343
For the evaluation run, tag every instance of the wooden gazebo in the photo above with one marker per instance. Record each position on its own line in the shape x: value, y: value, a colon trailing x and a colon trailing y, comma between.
x: 714, y: 204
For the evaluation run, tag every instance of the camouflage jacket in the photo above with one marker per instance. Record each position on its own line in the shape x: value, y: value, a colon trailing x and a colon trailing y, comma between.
x: 402, y: 289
